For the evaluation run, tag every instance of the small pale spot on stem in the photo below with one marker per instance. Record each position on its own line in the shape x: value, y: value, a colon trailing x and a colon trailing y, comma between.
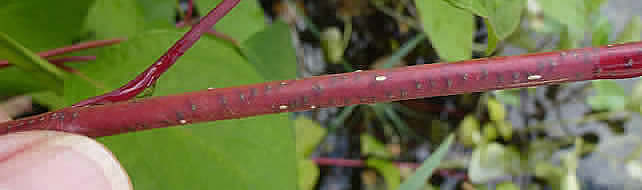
x: 381, y: 78
x: 358, y: 71
x: 534, y: 77
x: 182, y: 121
x: 283, y: 107
x: 210, y: 88
x: 313, y: 107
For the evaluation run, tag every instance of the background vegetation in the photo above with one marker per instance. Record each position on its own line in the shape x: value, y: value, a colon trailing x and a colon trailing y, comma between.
x: 573, y: 136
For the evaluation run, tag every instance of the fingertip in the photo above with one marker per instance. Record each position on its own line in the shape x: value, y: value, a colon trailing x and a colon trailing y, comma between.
x: 55, y: 160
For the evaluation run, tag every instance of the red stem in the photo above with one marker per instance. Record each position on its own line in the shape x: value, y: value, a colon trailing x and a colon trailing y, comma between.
x: 80, y: 46
x: 57, y: 61
x: 188, y: 15
x: 151, y: 74
x: 214, y: 33
x: 72, y: 48
x: 421, y: 81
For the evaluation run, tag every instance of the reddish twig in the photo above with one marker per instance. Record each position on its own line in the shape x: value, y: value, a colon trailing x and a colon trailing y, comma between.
x: 374, y: 86
x: 60, y: 63
x: 57, y: 61
x: 151, y: 74
x: 190, y: 7
x: 80, y: 46
x: 214, y: 33
x: 71, y: 48
x: 361, y: 164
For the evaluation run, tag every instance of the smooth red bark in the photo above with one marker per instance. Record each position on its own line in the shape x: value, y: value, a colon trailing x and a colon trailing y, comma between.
x: 614, y: 61
x: 148, y: 77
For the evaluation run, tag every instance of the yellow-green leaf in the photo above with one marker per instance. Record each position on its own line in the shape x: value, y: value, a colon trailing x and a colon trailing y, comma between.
x: 449, y: 28
x: 504, y: 16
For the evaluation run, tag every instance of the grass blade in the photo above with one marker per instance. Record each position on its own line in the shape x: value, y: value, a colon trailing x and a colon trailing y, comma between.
x: 418, y: 180
x: 32, y: 64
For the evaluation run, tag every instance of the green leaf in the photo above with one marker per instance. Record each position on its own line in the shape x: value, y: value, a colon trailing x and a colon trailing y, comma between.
x: 496, y: 110
x: 371, y: 146
x: 491, y: 161
x: 609, y: 96
x: 418, y: 180
x: 391, y: 173
x: 552, y: 174
x: 308, y: 136
x: 41, y: 24
x: 158, y: 13
x: 250, y: 153
x: 507, y: 186
x: 504, y: 16
x: 636, y: 97
x: 593, y: 6
x: 115, y: 18
x: 475, y: 6
x: 31, y: 64
x: 242, y: 22
x: 570, y: 162
x: 308, y: 174
x: 631, y: 32
x: 14, y: 81
x: 49, y: 99
x: 568, y: 40
x: 271, y: 52
x: 450, y: 29
x: 468, y: 131
x: 493, y: 40
x: 332, y: 44
x: 489, y: 132
x: 601, y: 31
x: 510, y: 97
x: 505, y: 129
x: 571, y: 13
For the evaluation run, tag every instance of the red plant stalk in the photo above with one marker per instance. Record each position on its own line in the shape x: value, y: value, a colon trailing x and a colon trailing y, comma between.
x: 366, y: 87
x: 148, y: 77
x: 71, y: 48
x: 214, y: 33
x: 190, y: 7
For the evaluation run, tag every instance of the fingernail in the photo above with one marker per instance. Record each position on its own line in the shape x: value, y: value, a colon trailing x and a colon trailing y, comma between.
x: 54, y: 160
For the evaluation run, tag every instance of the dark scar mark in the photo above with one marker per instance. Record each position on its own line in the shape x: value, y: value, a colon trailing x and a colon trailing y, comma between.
x: 180, y: 116
x: 253, y: 92
x: 484, y: 73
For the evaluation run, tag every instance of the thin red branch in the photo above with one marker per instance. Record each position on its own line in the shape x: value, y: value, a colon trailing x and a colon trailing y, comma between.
x: 151, y: 74
x: 361, y: 164
x: 214, y: 33
x: 80, y: 46
x: 374, y: 86
x: 190, y: 7
x: 71, y: 48
x: 223, y: 36
x: 57, y: 61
